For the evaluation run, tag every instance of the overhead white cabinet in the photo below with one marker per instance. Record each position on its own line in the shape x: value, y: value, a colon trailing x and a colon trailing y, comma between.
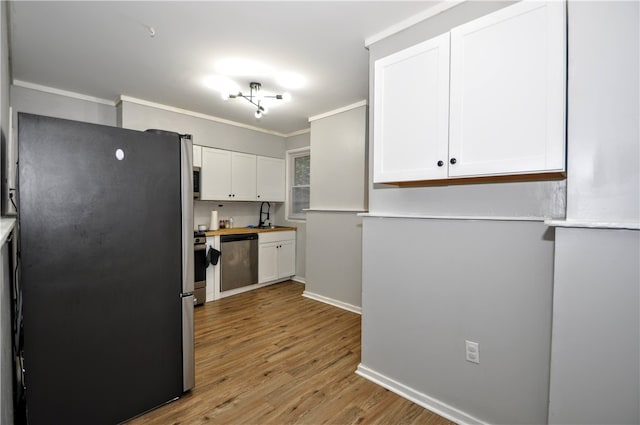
x: 508, y: 92
x: 276, y: 255
x: 215, y: 174
x: 270, y: 179
x: 197, y: 156
x: 411, y: 112
x: 243, y: 176
x: 227, y: 175
x: 498, y: 110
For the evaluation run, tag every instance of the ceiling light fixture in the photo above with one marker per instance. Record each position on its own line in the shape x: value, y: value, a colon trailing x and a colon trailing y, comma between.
x: 256, y: 96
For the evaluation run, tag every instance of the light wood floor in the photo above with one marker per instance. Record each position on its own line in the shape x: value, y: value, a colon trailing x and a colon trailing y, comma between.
x: 270, y: 356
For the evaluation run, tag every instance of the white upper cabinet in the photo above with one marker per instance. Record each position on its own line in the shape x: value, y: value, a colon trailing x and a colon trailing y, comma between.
x: 197, y: 156
x: 508, y: 75
x: 486, y: 99
x: 243, y: 176
x: 215, y: 174
x: 270, y: 179
x: 227, y: 175
x: 411, y: 113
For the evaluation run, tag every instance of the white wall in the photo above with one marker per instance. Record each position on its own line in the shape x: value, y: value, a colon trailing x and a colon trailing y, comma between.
x: 338, y: 194
x: 595, y: 354
x: 604, y: 111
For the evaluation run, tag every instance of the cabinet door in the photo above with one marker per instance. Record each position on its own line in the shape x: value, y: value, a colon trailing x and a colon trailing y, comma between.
x: 508, y: 78
x: 215, y: 174
x: 411, y: 113
x: 270, y: 179
x: 286, y: 258
x: 197, y: 156
x: 267, y: 262
x: 243, y: 177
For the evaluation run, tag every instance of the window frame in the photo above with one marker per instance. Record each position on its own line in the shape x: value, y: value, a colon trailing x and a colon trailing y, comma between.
x: 291, y: 155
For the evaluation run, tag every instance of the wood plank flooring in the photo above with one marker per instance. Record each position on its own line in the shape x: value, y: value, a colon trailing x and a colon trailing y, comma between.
x: 271, y: 356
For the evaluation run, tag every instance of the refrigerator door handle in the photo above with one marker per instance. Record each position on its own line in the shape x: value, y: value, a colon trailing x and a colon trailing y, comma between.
x: 186, y: 177
x: 188, y: 351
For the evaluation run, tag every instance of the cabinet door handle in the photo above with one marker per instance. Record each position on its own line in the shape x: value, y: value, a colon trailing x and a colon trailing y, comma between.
x: 440, y: 163
x: 453, y: 161
x: 229, y: 195
x: 258, y: 196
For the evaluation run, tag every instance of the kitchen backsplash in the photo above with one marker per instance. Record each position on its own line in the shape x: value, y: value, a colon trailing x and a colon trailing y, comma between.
x: 243, y: 213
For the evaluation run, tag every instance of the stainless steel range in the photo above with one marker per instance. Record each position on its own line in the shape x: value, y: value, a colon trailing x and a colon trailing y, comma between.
x: 200, y: 264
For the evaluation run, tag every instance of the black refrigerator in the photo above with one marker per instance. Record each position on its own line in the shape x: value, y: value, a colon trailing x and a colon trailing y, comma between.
x: 105, y: 220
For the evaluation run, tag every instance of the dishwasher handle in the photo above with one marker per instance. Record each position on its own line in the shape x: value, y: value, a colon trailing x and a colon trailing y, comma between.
x: 236, y: 238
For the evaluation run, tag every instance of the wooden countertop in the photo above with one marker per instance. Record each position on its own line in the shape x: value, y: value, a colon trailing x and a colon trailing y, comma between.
x: 244, y: 230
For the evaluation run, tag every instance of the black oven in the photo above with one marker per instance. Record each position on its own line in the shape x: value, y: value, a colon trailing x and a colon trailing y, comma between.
x: 200, y: 269
x: 196, y: 182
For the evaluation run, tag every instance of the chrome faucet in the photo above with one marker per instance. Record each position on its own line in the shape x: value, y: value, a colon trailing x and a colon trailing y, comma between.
x: 261, y: 223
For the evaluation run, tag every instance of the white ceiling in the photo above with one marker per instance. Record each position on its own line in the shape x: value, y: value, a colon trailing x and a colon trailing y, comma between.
x: 105, y: 49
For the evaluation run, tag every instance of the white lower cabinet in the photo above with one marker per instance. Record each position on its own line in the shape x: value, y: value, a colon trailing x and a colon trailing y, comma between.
x: 276, y: 255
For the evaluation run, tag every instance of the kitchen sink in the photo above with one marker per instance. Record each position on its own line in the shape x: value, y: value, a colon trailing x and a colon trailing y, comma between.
x: 269, y: 227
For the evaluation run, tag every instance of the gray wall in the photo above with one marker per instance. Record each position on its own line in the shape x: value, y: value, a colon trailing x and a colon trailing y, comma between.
x: 595, y: 346
x: 54, y: 105
x: 595, y: 374
x: 338, y: 193
x: 6, y: 357
x: 205, y: 132
x: 334, y: 256
x: 338, y: 161
x: 6, y: 352
x: 450, y: 277
x: 429, y: 285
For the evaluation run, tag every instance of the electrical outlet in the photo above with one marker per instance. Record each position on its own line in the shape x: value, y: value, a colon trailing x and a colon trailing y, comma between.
x: 473, y: 351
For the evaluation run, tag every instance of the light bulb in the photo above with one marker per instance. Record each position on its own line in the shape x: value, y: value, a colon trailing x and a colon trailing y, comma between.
x: 258, y: 114
x: 286, y: 96
x: 265, y: 110
x: 224, y: 95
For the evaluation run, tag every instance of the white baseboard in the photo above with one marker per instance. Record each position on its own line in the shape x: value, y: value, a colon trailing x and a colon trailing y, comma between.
x: 299, y: 279
x: 331, y: 301
x: 430, y: 403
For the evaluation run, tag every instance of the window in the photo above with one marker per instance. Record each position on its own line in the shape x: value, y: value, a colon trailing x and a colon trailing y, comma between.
x: 298, y: 188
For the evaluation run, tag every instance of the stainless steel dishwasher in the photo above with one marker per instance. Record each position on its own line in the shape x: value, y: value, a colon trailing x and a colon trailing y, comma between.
x: 238, y: 261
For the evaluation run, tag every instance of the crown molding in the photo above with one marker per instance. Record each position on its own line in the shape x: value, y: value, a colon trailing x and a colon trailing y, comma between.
x: 411, y: 21
x: 124, y: 98
x: 338, y: 111
x: 66, y: 93
x: 299, y: 132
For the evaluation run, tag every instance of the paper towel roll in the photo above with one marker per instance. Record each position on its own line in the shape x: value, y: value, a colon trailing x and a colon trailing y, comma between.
x: 214, y: 224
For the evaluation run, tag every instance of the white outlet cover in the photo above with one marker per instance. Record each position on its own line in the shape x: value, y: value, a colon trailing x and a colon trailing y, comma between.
x: 472, y: 351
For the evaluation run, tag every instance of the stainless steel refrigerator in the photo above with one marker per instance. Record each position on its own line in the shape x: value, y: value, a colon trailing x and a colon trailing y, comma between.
x: 106, y: 269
